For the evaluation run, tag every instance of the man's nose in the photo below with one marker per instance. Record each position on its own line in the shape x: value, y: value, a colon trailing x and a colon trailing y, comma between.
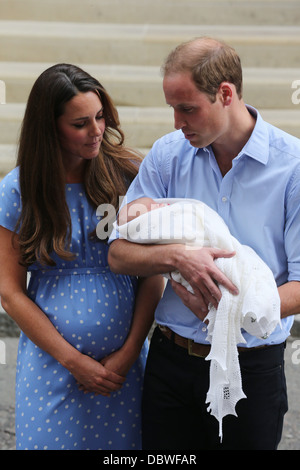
x: 179, y: 121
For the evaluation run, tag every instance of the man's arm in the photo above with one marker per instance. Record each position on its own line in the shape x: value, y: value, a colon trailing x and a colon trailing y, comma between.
x: 289, y: 294
x: 195, y: 265
x: 290, y: 298
x: 135, y: 259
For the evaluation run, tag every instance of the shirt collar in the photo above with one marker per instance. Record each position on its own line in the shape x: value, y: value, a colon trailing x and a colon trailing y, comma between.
x: 257, y: 146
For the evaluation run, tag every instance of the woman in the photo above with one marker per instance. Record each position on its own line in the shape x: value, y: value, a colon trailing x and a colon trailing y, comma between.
x: 82, y: 328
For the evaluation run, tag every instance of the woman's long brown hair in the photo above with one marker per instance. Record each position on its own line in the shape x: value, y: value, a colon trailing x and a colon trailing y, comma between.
x: 44, y: 225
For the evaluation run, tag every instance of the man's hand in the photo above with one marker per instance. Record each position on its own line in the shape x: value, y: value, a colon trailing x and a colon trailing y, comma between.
x: 200, y: 271
x: 195, y: 264
x: 194, y: 302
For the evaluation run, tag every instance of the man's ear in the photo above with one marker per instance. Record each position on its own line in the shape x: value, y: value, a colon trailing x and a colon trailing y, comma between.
x: 226, y: 93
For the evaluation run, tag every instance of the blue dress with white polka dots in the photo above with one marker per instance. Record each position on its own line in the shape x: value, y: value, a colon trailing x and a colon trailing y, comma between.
x: 92, y: 308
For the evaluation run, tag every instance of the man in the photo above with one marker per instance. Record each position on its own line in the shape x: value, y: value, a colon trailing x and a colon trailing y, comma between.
x: 225, y: 155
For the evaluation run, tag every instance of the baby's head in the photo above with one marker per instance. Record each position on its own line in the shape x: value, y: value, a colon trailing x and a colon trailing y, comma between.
x: 136, y: 208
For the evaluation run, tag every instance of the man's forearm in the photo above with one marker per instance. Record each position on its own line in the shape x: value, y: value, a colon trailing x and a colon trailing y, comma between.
x: 290, y: 298
x: 142, y: 260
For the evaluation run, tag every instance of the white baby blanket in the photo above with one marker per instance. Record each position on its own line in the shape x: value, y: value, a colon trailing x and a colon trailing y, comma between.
x: 256, y: 308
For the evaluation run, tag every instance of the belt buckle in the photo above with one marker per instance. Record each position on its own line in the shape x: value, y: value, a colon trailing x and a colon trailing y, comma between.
x: 190, y: 349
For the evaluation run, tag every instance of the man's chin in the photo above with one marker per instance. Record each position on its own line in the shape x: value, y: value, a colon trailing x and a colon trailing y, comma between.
x: 193, y: 140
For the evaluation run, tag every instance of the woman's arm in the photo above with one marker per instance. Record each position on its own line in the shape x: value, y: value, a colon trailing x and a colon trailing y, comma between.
x: 38, y: 327
x: 149, y: 293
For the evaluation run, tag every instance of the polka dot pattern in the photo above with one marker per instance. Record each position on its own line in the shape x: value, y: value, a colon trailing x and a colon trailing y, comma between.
x: 91, y: 308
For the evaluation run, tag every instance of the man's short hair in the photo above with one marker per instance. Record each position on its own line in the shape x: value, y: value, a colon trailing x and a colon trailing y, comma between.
x: 209, y: 61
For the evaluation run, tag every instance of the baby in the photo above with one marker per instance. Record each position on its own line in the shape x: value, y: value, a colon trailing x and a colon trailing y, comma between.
x: 257, y: 307
x: 196, y: 225
x: 136, y: 208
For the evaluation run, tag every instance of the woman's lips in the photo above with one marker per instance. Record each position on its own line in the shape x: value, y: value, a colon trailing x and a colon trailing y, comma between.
x: 93, y: 144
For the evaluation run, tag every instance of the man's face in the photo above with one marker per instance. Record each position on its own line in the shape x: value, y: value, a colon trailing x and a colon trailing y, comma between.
x: 201, y: 121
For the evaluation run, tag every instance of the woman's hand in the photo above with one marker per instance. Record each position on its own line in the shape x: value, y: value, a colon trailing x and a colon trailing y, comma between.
x: 93, y: 377
x: 120, y: 361
x: 113, y: 369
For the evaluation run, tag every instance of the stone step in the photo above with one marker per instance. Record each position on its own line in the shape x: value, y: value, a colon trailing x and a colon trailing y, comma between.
x: 142, y: 126
x: 142, y: 85
x: 129, y: 85
x: 141, y: 44
x: 238, y: 12
x: 7, y: 158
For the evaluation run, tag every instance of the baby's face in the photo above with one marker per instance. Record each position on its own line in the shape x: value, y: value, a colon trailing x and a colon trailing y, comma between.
x: 157, y: 205
x: 136, y: 208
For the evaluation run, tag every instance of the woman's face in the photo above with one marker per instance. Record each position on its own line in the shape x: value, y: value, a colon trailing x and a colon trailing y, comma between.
x: 81, y: 127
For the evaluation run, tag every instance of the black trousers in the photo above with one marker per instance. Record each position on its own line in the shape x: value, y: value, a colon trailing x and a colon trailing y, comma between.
x: 174, y: 412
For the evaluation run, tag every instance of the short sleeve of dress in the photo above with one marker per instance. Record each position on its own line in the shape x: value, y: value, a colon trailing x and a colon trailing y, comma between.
x: 10, y: 200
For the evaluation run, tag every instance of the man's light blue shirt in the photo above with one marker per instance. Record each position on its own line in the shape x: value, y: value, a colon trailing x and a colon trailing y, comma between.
x: 259, y: 199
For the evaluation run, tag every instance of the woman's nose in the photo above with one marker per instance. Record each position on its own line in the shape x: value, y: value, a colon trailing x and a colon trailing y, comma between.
x: 95, y: 129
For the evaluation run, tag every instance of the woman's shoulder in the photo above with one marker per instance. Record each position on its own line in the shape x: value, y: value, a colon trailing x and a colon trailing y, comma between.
x: 10, y: 200
x: 10, y: 191
x: 11, y: 180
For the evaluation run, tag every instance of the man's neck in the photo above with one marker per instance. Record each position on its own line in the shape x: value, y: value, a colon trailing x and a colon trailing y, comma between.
x: 240, y: 132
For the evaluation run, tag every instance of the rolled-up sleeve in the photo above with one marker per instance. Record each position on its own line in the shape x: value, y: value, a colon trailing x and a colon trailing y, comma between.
x: 292, y: 228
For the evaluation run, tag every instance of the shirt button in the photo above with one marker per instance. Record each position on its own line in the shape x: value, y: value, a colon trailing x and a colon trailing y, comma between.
x: 204, y: 328
x: 224, y: 199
